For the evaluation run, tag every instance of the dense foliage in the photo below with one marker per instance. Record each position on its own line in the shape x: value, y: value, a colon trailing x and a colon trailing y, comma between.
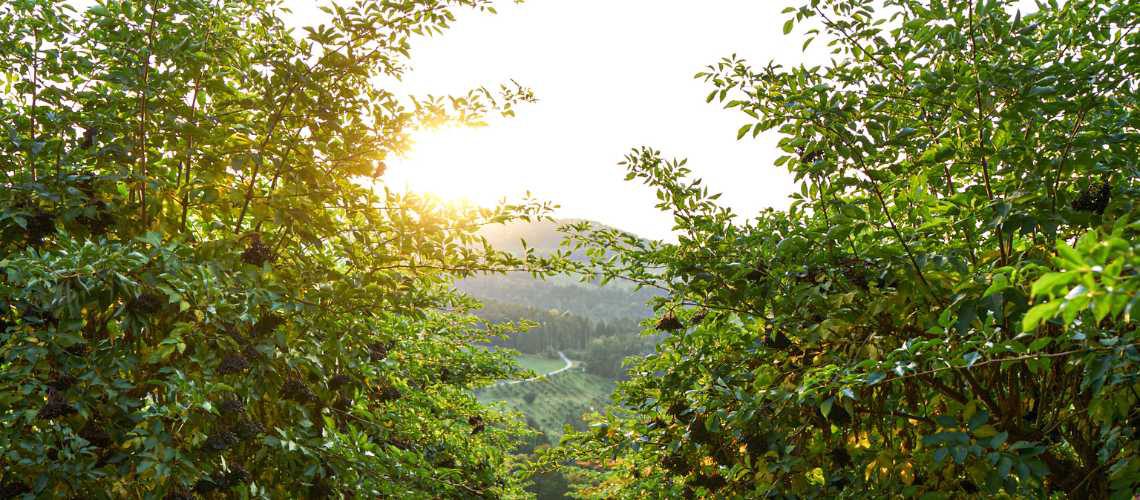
x: 201, y: 292
x: 947, y: 308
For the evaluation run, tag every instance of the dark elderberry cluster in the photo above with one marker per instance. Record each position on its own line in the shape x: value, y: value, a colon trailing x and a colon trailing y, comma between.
x: 840, y: 457
x: 96, y: 434
x: 231, y: 406
x: 777, y: 341
x: 676, y: 463
x: 102, y: 220
x: 56, y: 407
x: 378, y: 351
x: 808, y: 157
x: 246, y: 429
x: 233, y: 363
x: 699, y: 317
x: 320, y: 489
x: 669, y: 323
x: 1094, y: 199
x: 339, y: 381
x: 856, y: 271
x: 266, y: 324
x: 710, y: 482
x: 146, y: 303
x: 88, y: 139
x: 758, y: 274
x: 40, y: 225
x: 62, y: 382
x: 256, y: 253
x: 13, y: 489
x: 237, y: 475
x: 296, y: 390
x: 477, y: 424
x: 220, y: 441
x: 389, y: 393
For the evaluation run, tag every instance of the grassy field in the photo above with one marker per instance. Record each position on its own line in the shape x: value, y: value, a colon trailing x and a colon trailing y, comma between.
x: 539, y: 364
x: 558, y: 400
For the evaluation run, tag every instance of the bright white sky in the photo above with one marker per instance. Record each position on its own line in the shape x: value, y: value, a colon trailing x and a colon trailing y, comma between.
x: 610, y: 75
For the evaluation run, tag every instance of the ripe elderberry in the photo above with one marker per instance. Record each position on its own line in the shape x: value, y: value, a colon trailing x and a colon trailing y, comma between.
x: 266, y: 324
x: 248, y: 429
x: 256, y: 253
x: 378, y: 351
x: 237, y: 475
x: 204, y: 486
x: 1094, y: 199
x: 220, y: 441
x: 231, y: 406
x: 146, y: 303
x: 56, y: 407
x: 62, y: 382
x: 233, y: 363
x: 777, y: 341
x: 40, y: 225
x: 669, y: 323
x: 389, y: 393
x: 477, y: 424
x: 102, y: 220
x: 339, y: 381
x: 296, y: 390
x: 96, y: 434
x: 13, y: 489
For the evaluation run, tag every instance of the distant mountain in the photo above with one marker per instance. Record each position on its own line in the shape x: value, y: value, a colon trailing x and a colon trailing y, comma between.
x: 617, y: 301
x: 543, y: 236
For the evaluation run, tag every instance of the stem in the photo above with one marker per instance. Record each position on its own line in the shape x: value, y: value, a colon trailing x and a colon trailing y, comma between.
x: 257, y: 160
x: 35, y: 98
x: 1077, y: 124
x: 185, y: 164
x: 143, y: 114
x: 980, y: 119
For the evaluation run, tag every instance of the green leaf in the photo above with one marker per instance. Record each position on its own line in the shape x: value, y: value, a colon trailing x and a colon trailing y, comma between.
x: 1051, y: 281
x: 743, y: 131
x: 1040, y: 343
x: 1000, y: 283
x: 825, y: 407
x: 1037, y: 314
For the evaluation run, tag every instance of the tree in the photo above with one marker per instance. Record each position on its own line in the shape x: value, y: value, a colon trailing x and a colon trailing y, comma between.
x: 201, y: 289
x: 946, y: 307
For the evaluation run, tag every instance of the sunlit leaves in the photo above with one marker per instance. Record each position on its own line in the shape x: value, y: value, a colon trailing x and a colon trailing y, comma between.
x: 261, y: 269
x: 943, y: 260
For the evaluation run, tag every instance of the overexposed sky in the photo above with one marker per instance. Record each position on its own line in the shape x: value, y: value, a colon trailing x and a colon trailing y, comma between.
x: 610, y: 75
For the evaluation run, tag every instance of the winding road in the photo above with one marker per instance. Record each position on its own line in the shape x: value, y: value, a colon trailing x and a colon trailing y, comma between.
x: 569, y: 365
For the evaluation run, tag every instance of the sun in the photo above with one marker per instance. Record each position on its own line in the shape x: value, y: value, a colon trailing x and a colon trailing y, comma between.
x: 455, y: 164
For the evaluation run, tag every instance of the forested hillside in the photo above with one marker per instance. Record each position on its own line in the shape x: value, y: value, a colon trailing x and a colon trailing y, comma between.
x: 619, y: 301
